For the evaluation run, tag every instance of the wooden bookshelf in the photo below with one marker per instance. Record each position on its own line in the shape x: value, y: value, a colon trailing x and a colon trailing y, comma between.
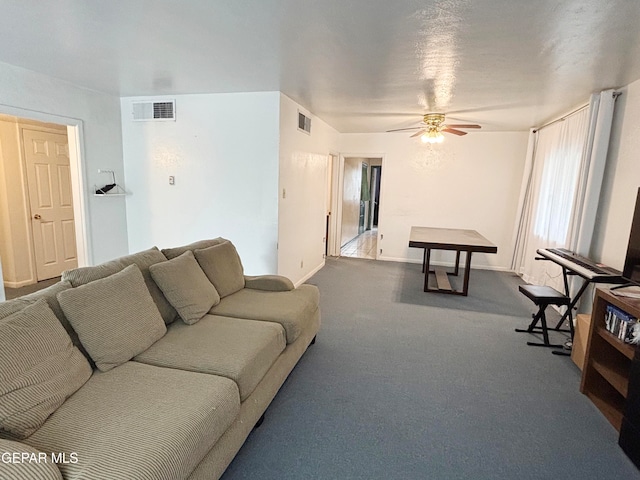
x: 605, y: 377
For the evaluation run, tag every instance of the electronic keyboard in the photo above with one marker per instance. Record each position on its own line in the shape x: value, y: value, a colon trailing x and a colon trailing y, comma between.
x: 581, y: 265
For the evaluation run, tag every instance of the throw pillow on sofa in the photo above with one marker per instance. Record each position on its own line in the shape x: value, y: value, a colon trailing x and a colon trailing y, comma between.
x: 221, y: 263
x: 186, y: 287
x: 39, y: 369
x: 144, y: 259
x: 114, y: 317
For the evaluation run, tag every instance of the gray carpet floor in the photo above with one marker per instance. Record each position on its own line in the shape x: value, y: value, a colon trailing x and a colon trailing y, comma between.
x: 403, y: 384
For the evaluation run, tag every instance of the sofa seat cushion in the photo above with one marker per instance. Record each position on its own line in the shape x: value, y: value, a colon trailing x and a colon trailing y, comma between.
x: 294, y: 309
x: 139, y: 421
x: 144, y: 259
x: 242, y: 350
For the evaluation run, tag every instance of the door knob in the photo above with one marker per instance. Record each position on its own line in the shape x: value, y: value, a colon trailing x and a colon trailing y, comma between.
x: 37, y: 216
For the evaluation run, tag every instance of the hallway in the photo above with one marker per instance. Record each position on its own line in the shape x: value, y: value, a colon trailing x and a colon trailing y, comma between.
x: 363, y: 246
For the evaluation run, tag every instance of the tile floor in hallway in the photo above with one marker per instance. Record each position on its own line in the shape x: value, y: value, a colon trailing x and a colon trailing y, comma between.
x: 363, y: 246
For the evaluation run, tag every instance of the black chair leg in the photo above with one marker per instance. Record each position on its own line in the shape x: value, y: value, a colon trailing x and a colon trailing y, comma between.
x: 540, y: 316
x: 545, y: 334
x: 532, y: 325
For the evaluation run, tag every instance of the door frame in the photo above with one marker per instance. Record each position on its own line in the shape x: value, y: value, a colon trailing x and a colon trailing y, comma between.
x: 37, y: 129
x: 75, y: 137
x: 335, y: 221
x: 337, y: 194
x: 376, y: 171
x: 364, y: 168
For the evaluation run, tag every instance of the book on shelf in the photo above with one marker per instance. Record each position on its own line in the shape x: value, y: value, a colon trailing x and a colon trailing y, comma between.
x: 621, y: 324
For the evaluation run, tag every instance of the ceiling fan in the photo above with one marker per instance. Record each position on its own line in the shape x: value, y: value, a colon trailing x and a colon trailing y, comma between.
x: 430, y: 131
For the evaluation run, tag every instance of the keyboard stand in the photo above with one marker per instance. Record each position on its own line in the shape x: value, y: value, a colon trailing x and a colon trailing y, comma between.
x: 568, y: 314
x: 566, y: 351
x: 566, y: 272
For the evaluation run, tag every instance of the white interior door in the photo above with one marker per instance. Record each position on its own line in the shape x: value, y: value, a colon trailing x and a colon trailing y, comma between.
x: 51, y: 202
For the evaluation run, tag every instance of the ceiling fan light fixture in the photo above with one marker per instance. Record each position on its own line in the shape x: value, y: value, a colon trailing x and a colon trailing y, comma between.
x: 432, y: 128
x: 432, y: 136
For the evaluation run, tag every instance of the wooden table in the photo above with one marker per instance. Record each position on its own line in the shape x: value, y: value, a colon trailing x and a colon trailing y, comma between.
x: 454, y: 239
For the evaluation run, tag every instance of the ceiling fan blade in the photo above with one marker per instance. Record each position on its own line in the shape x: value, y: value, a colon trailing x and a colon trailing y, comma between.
x: 454, y: 131
x: 417, y: 134
x: 403, y: 129
x: 471, y: 125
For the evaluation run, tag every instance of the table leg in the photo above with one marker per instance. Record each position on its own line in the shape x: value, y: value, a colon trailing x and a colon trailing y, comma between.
x: 444, y: 286
x: 427, y: 257
x: 467, y: 270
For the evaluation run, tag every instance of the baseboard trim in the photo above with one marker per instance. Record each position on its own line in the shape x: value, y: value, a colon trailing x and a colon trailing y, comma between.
x: 310, y: 274
x: 24, y: 283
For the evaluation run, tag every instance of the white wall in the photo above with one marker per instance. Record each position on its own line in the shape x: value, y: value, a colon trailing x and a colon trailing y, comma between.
x: 470, y: 182
x: 36, y: 96
x: 223, y: 151
x: 303, y: 175
x: 621, y: 181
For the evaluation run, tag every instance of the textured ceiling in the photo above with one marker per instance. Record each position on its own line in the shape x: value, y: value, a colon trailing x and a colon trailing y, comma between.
x: 360, y: 65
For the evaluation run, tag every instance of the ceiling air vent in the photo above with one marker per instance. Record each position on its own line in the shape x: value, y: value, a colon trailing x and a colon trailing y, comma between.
x: 154, y: 111
x: 304, y: 123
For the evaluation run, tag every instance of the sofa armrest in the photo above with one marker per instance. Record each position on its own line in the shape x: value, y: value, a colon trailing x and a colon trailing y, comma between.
x: 271, y: 283
x: 20, y: 461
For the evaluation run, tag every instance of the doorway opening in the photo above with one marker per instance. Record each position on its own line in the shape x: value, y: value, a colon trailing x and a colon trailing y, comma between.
x: 42, y: 220
x: 359, y: 206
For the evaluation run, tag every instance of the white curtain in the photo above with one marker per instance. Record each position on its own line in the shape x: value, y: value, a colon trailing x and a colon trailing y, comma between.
x: 561, y: 188
x: 601, y: 109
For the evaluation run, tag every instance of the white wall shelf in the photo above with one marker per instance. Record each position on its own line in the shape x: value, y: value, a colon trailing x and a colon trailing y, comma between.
x: 114, y: 190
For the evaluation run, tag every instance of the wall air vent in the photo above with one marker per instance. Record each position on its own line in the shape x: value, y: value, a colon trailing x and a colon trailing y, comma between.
x: 154, y: 111
x: 304, y: 123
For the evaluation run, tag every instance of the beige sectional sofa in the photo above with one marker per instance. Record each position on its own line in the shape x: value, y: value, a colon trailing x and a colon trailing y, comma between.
x: 156, y: 365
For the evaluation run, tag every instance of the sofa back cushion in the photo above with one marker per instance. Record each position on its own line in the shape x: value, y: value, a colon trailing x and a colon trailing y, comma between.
x: 177, y: 251
x: 50, y: 295
x: 186, y: 286
x: 115, y: 317
x: 39, y: 369
x: 146, y: 258
x: 223, y: 267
